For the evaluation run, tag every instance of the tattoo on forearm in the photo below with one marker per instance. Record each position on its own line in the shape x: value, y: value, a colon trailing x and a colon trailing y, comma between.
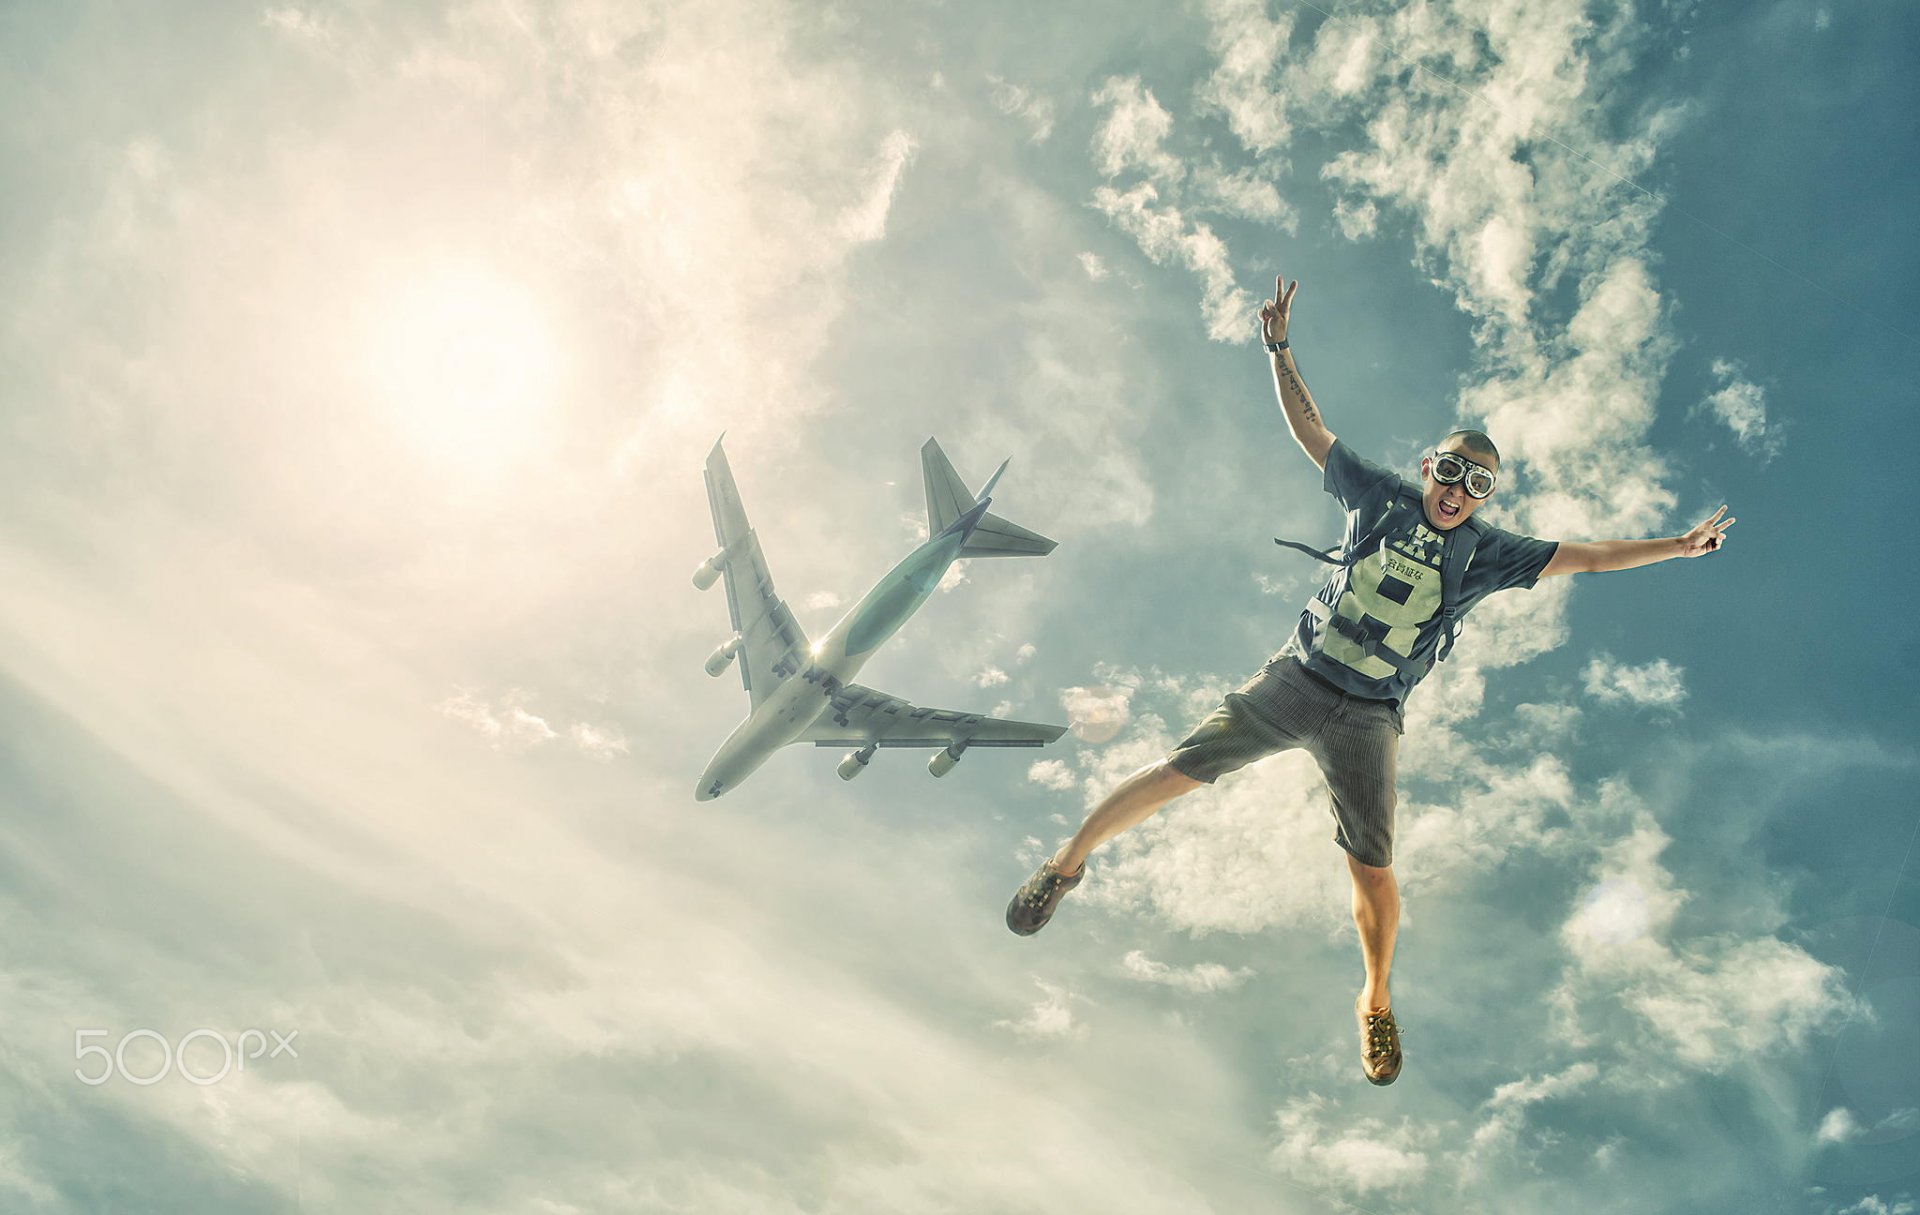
x: 1292, y: 381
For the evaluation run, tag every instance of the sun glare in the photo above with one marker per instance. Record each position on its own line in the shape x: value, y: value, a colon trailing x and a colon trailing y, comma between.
x: 464, y: 365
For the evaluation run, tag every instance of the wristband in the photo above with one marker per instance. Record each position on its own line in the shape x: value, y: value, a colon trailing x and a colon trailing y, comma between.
x: 1278, y: 346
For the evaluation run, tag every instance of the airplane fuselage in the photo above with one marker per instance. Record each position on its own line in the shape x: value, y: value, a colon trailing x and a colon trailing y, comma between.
x: 836, y: 659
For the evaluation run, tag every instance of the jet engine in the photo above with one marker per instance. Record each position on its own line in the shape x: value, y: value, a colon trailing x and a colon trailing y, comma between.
x: 722, y: 658
x: 856, y: 762
x: 944, y: 759
x: 709, y: 570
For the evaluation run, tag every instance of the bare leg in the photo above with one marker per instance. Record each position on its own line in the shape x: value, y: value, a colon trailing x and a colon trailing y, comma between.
x: 1376, y: 913
x: 1132, y: 802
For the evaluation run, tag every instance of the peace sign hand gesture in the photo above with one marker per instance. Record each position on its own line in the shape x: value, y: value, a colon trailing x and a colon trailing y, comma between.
x: 1706, y: 536
x: 1273, y: 312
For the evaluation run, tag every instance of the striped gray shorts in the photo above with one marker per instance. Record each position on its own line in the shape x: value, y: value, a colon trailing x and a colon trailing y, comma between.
x: 1355, y: 741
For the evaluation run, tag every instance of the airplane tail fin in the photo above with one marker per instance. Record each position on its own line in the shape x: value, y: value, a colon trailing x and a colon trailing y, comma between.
x: 947, y: 495
x: 948, y: 498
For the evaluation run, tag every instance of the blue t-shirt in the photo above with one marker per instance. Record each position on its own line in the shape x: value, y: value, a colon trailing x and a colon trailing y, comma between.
x: 1394, y: 591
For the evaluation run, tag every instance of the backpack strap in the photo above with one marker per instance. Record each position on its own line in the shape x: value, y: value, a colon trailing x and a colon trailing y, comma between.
x: 1453, y: 575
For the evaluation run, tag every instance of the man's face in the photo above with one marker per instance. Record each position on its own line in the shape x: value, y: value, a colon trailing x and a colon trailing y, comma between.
x: 1449, y: 505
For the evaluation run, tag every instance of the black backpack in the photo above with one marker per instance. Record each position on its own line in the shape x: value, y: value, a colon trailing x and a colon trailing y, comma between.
x: 1453, y: 572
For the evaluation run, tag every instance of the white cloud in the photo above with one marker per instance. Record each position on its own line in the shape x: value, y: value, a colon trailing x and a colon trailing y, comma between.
x: 1165, y: 235
x: 1051, y: 774
x: 1507, y: 1107
x: 1366, y: 1158
x: 1873, y: 1204
x: 1708, y: 1002
x: 1096, y: 714
x: 1839, y: 1126
x: 1135, y: 131
x: 1657, y: 684
x: 599, y: 742
x: 1026, y: 651
x: 1095, y: 266
x: 1202, y: 978
x: 1357, y: 220
x: 992, y: 677
x: 1248, y: 47
x: 1050, y: 1018
x: 1132, y: 140
x: 867, y: 219
x: 1741, y: 406
x: 505, y: 724
x: 508, y: 725
x: 1246, y: 194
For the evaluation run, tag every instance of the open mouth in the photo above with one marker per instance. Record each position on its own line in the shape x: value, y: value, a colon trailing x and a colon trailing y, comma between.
x: 1449, y: 510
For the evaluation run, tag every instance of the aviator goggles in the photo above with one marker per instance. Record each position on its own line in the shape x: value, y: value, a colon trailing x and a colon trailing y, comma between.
x: 1449, y: 468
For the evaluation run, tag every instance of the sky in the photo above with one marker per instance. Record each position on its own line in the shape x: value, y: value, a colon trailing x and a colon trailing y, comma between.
x: 360, y: 361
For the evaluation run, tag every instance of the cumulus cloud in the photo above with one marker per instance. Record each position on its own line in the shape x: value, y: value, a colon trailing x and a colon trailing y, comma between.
x: 1134, y: 134
x: 1051, y: 774
x: 1475, y: 154
x: 1096, y: 714
x: 1248, y: 46
x: 1507, y: 1107
x: 1741, y: 406
x: 1840, y: 1125
x: 1707, y: 1002
x: 1657, y: 684
x: 1367, y: 1157
x: 992, y: 677
x: 1202, y: 978
x: 1132, y: 142
x: 1050, y: 1017
x: 1873, y: 1204
x: 1357, y: 221
x: 1165, y: 235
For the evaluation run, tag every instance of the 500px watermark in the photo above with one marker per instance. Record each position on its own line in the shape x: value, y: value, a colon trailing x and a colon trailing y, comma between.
x: 173, y: 1057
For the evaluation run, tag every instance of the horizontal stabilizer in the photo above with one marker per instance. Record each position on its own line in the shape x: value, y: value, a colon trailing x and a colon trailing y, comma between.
x: 996, y: 537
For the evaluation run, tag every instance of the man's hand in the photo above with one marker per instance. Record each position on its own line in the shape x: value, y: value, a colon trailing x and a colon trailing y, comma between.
x: 1603, y: 556
x: 1273, y: 313
x: 1706, y: 536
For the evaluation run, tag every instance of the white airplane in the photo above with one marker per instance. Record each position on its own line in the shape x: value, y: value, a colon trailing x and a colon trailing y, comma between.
x: 805, y: 693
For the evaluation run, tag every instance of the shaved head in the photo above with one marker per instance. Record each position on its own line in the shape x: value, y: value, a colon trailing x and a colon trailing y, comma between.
x: 1475, y: 441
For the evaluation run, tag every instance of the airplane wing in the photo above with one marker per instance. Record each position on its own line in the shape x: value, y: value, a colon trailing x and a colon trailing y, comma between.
x: 857, y: 716
x: 773, y: 645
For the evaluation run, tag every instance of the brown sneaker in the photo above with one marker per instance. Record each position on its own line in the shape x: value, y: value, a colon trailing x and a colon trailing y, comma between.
x: 1033, y: 903
x: 1379, y: 1044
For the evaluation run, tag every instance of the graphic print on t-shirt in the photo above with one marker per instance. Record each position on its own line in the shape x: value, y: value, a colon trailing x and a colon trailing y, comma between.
x: 1390, y: 593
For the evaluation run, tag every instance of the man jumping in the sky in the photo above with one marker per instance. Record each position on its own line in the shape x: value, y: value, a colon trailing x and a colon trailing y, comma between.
x: 1414, y: 561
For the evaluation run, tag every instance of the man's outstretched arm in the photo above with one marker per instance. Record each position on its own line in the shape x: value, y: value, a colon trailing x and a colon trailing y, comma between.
x: 1303, y: 417
x: 1573, y: 557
